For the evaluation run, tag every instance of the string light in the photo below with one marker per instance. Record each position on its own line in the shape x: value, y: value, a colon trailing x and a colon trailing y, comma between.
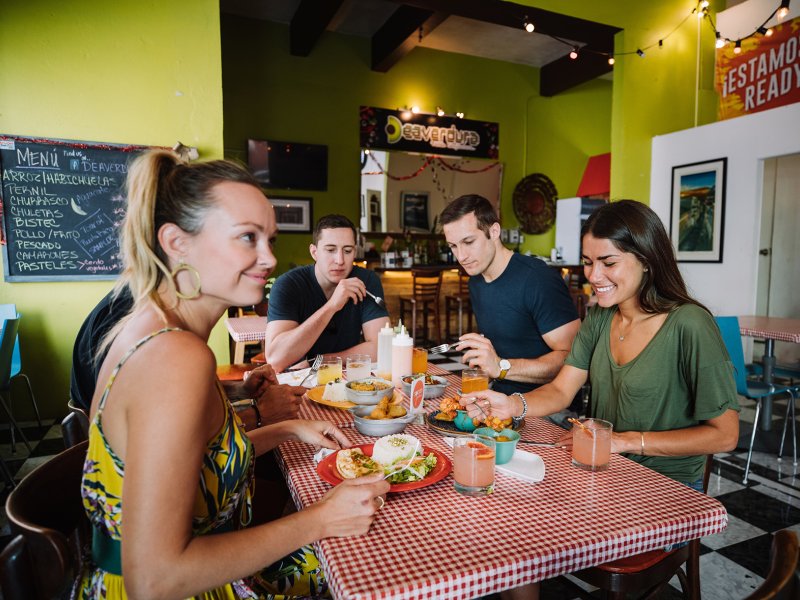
x: 439, y: 111
x: 769, y: 32
x: 611, y: 60
x: 783, y: 10
x: 721, y: 41
x: 640, y: 52
x: 574, y: 54
x: 738, y: 47
x: 460, y: 115
x: 527, y: 25
x: 415, y: 109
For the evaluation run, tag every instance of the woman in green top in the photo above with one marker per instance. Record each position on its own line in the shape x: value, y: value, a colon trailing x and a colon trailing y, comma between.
x: 657, y: 364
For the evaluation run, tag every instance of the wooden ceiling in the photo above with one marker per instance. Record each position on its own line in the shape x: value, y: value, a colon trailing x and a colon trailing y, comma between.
x: 398, y: 26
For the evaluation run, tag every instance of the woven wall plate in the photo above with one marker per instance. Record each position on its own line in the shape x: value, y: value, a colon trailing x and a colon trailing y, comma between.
x: 534, y: 203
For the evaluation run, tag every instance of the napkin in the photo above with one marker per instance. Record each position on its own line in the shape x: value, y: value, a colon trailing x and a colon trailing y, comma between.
x: 526, y: 466
x: 295, y: 377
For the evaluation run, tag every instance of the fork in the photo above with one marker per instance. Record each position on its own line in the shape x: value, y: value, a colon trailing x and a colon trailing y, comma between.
x: 408, y: 464
x: 442, y: 348
x: 314, y: 368
x: 378, y: 300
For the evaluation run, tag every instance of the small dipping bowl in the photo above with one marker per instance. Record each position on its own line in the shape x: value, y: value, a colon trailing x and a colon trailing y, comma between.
x: 369, y: 398
x: 377, y: 427
x: 504, y: 450
x: 463, y: 422
x: 432, y: 390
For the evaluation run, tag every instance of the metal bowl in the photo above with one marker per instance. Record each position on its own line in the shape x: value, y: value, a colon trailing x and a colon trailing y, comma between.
x: 378, y: 427
x: 368, y: 398
x: 431, y: 391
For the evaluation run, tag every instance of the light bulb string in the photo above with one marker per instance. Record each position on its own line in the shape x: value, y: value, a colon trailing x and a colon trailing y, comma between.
x: 427, y: 162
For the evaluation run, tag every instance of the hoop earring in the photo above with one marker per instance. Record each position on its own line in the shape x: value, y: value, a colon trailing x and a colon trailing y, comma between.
x: 182, y: 266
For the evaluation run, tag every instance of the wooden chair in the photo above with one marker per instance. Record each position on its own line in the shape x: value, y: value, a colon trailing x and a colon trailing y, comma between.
x: 46, y: 510
x: 646, y: 573
x: 579, y: 300
x: 426, y: 287
x: 459, y: 303
x: 16, y: 575
x: 76, y: 429
x: 783, y: 579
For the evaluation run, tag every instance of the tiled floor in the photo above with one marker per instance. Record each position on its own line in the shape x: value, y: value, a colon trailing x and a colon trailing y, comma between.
x: 733, y: 563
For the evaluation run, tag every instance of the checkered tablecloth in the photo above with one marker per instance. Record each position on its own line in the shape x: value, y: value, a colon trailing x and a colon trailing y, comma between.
x: 435, y: 543
x: 247, y: 329
x: 771, y: 328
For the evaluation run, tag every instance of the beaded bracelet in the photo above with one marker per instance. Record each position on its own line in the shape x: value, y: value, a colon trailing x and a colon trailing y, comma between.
x: 524, y: 405
x: 254, y: 404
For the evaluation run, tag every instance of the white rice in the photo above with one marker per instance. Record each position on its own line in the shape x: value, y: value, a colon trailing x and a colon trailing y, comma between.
x: 391, y: 448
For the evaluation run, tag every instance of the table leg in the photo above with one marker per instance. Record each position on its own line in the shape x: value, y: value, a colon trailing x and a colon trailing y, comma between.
x: 768, y: 360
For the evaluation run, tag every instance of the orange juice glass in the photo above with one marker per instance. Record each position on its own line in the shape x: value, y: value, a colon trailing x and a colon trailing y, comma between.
x: 591, y: 448
x: 473, y: 380
x: 419, y: 361
x: 473, y: 464
x: 329, y: 370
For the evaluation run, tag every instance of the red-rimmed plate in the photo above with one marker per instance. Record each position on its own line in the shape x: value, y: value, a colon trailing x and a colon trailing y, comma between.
x: 327, y: 471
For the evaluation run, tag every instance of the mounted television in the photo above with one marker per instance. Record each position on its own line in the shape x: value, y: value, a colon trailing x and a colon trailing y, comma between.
x: 288, y: 165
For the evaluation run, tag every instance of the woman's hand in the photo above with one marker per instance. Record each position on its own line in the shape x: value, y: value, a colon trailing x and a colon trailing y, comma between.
x: 618, y: 443
x: 486, y: 402
x: 351, y: 507
x: 318, y: 433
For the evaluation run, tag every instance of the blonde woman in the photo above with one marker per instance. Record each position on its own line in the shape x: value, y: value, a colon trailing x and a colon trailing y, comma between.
x: 167, y: 477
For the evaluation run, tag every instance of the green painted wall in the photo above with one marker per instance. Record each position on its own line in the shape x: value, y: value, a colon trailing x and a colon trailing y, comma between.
x: 144, y: 72
x: 271, y: 94
x: 655, y: 94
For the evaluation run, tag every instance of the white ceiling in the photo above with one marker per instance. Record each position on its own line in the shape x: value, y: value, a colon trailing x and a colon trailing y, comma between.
x: 456, y: 34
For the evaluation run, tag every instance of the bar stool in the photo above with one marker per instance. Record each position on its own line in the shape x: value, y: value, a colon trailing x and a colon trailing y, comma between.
x: 426, y: 287
x: 460, y: 304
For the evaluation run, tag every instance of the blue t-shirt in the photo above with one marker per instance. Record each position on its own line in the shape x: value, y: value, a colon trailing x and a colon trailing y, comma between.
x: 528, y: 300
x: 296, y: 295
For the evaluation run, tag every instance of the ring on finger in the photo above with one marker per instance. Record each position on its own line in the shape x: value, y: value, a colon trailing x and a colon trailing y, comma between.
x: 380, y: 502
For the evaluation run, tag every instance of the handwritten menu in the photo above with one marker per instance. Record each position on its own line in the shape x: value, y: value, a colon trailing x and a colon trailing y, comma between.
x: 62, y: 205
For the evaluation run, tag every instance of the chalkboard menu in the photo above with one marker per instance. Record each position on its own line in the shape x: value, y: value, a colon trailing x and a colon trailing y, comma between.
x: 62, y: 204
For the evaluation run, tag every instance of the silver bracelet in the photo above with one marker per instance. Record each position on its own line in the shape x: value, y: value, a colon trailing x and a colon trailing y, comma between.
x: 524, y: 405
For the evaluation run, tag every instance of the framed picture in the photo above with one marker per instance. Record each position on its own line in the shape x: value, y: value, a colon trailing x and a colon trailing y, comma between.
x: 697, y: 211
x: 293, y: 215
x: 414, y: 210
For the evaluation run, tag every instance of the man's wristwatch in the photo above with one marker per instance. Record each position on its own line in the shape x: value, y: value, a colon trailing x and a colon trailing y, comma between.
x: 504, y: 365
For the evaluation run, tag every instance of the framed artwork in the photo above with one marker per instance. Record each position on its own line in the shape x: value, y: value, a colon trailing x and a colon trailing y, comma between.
x: 414, y: 210
x: 697, y: 211
x: 293, y: 215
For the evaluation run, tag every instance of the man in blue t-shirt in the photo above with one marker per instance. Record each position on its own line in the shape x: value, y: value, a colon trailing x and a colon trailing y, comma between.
x: 323, y: 308
x: 524, y: 313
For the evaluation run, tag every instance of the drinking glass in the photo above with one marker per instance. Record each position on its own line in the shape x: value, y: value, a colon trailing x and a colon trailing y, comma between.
x: 474, y: 380
x: 591, y: 447
x: 419, y: 361
x: 329, y: 370
x: 359, y: 366
x: 473, y: 464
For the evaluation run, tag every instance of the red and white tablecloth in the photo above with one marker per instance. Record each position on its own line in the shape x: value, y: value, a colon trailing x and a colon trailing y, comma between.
x: 435, y: 543
x: 771, y: 328
x: 247, y: 329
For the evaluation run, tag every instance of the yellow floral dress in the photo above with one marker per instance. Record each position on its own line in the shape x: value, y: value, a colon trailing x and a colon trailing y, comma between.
x: 222, y: 503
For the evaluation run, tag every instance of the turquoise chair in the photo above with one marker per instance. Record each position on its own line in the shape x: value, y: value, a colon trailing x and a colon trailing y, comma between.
x: 9, y: 311
x: 7, y: 341
x: 754, y: 390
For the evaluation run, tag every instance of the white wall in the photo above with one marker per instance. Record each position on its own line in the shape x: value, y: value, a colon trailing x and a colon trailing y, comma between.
x: 728, y: 288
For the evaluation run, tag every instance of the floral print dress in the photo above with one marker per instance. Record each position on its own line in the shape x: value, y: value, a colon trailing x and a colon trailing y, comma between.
x: 222, y: 503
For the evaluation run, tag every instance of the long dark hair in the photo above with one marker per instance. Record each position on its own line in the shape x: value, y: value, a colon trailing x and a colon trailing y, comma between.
x: 634, y: 227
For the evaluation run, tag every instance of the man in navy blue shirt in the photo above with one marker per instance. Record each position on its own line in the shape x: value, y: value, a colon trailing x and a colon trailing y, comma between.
x: 524, y: 313
x: 323, y: 308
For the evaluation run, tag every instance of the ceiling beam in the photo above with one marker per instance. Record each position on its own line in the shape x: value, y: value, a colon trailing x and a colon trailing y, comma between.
x: 565, y: 73
x: 309, y: 23
x: 401, y: 34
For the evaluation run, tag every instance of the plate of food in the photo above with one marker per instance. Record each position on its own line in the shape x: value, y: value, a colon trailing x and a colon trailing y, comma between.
x: 387, y: 455
x: 330, y: 394
x: 444, y: 420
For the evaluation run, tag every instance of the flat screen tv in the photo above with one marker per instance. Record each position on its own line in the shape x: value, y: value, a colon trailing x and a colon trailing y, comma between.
x: 288, y: 165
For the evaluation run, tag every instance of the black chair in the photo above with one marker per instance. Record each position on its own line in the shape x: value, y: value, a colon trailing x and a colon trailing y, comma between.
x: 426, y: 286
x: 648, y: 572
x: 459, y: 304
x: 783, y: 579
x: 45, y: 510
x: 75, y: 426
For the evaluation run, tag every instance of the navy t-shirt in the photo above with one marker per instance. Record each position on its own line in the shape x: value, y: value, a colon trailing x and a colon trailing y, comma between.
x: 528, y: 300
x: 296, y: 295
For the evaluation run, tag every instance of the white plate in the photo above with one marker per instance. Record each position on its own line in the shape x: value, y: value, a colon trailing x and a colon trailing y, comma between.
x: 524, y: 465
x: 295, y: 377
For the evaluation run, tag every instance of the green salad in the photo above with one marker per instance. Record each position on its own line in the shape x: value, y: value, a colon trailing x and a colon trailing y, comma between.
x: 416, y: 471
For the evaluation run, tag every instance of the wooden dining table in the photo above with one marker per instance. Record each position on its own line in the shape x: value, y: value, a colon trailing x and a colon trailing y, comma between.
x: 433, y: 542
x: 770, y: 329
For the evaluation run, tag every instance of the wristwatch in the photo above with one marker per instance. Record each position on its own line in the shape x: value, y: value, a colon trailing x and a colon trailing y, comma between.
x: 505, y: 365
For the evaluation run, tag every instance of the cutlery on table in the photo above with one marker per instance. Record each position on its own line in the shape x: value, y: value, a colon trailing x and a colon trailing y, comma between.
x: 378, y: 300
x: 314, y: 368
x: 532, y: 443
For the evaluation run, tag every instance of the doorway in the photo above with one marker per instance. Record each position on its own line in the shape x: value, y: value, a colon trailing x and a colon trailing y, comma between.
x: 778, y: 284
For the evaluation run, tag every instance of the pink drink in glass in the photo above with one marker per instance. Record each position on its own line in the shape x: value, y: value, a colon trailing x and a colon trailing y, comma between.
x: 473, y: 465
x: 591, y: 450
